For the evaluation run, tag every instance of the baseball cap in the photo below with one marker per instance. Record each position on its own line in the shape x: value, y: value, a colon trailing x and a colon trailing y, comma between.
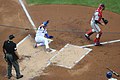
x: 11, y: 36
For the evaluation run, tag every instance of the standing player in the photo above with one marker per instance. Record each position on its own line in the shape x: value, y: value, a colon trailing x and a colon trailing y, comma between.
x: 95, y: 22
x: 11, y: 57
x: 42, y: 37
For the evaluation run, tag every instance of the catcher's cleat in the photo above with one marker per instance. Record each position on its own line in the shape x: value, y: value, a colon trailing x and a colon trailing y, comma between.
x: 48, y: 50
x: 87, y: 37
x: 98, y: 44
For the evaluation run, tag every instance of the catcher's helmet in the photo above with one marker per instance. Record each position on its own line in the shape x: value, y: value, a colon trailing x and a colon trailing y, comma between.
x: 109, y: 74
x: 102, y: 5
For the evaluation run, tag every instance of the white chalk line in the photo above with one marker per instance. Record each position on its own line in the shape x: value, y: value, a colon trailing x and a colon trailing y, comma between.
x: 107, y: 42
x: 23, y: 40
x: 56, y: 55
x: 75, y: 61
x: 84, y: 54
x: 90, y: 45
x: 32, y: 23
x: 59, y: 52
x: 27, y: 14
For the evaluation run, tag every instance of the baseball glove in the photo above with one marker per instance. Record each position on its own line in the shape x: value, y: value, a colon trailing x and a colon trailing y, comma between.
x: 105, y: 21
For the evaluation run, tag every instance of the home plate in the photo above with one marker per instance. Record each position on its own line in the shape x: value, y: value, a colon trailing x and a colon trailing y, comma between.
x: 34, y: 60
x: 69, y: 56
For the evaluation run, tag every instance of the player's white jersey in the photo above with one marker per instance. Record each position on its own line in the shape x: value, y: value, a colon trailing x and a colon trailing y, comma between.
x: 95, y: 17
x: 41, y: 32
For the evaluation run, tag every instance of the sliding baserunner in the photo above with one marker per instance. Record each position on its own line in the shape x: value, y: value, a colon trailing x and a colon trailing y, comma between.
x: 42, y: 38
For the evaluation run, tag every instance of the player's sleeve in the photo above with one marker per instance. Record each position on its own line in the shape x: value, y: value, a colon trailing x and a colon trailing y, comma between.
x: 4, y: 45
x: 48, y: 36
x: 46, y: 32
x: 97, y: 18
x: 15, y: 47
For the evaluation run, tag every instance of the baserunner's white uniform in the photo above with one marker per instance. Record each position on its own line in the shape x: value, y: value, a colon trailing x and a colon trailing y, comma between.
x: 40, y: 37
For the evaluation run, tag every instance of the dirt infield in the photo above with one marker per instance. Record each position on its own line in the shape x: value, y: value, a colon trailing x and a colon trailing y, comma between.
x: 68, y: 23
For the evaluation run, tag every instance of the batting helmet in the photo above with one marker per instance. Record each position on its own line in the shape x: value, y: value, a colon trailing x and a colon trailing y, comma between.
x: 109, y: 74
x: 45, y: 23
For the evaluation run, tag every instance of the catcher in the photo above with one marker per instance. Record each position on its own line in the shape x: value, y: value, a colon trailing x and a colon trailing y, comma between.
x: 95, y: 22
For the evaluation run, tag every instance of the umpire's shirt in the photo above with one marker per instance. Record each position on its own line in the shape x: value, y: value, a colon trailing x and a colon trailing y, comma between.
x: 10, y: 48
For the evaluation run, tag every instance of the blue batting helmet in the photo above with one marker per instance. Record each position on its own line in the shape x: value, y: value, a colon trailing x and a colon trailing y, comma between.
x: 46, y: 22
x: 109, y: 74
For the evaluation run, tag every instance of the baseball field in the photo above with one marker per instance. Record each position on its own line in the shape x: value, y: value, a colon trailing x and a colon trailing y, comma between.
x: 69, y: 20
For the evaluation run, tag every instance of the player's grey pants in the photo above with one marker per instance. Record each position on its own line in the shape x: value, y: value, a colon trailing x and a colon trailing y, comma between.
x: 15, y: 64
x: 95, y: 27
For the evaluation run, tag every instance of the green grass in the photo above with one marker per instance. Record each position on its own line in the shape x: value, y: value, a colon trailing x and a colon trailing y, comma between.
x: 111, y: 5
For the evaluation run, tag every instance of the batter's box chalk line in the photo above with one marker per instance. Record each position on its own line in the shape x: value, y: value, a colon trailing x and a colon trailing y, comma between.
x: 90, y: 45
x: 74, y: 61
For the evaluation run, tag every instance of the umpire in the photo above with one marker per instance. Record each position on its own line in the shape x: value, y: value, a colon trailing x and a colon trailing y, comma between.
x: 11, y: 57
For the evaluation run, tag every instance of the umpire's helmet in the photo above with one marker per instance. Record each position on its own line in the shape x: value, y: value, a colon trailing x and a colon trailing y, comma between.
x: 109, y: 74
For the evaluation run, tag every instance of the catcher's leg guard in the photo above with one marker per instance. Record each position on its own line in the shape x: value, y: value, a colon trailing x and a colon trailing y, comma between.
x: 97, y: 39
x: 89, y: 33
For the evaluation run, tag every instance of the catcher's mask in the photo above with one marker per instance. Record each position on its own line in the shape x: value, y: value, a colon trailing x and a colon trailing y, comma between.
x: 102, y: 6
x: 109, y: 74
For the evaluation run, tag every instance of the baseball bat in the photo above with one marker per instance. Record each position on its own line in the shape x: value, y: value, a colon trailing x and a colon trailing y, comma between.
x: 115, y: 73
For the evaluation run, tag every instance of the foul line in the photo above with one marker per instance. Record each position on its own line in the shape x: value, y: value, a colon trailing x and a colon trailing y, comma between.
x: 107, y: 42
x: 27, y: 14
x: 23, y: 40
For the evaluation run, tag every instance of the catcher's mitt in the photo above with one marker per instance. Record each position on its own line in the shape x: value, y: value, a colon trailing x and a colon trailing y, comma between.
x: 105, y: 21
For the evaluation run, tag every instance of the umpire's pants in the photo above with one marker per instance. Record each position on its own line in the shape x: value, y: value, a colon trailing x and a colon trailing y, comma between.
x: 11, y: 62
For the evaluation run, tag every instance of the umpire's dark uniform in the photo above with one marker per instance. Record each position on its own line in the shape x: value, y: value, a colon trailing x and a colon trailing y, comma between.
x: 9, y: 48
